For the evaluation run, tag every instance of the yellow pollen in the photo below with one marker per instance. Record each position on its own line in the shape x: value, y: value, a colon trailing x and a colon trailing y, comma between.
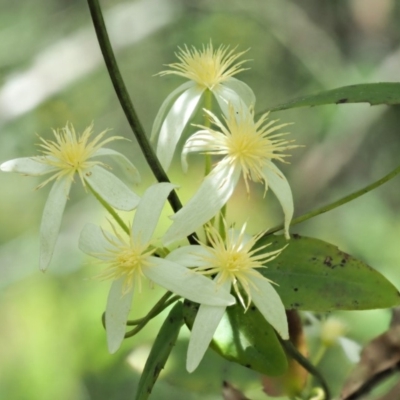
x: 207, y: 67
x: 126, y: 260
x: 248, y: 144
x: 70, y: 152
x: 234, y: 259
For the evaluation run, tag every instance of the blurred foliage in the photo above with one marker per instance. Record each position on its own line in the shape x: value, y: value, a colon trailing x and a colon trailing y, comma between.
x: 52, y: 343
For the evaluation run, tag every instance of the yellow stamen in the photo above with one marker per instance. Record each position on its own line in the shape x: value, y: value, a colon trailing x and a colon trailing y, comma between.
x: 207, y: 67
x: 235, y: 260
x: 248, y: 144
x: 126, y: 259
x: 70, y: 152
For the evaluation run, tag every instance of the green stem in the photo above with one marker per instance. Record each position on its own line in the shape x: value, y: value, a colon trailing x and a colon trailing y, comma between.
x: 337, y: 203
x: 306, y: 364
x: 109, y: 209
x: 154, y: 312
x: 156, y: 306
x: 126, y: 104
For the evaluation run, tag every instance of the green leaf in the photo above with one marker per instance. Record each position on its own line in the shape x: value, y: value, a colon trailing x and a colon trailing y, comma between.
x: 160, y: 351
x: 245, y: 338
x: 315, y: 275
x: 373, y: 93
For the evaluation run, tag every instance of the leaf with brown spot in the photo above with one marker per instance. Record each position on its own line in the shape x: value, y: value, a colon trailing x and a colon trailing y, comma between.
x: 314, y: 275
x: 373, y: 93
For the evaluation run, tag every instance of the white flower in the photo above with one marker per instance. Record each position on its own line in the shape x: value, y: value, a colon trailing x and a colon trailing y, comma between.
x: 132, y: 258
x: 235, y: 263
x: 207, y: 69
x: 69, y: 155
x: 248, y: 148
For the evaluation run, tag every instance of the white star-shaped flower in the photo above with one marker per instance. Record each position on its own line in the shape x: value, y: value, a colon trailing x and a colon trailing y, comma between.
x: 132, y: 258
x: 234, y: 262
x: 248, y: 148
x: 69, y: 155
x: 207, y: 69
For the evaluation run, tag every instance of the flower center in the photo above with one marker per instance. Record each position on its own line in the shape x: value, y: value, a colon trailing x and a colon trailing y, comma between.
x: 234, y: 260
x: 249, y: 145
x: 126, y: 260
x: 69, y: 153
x: 206, y: 67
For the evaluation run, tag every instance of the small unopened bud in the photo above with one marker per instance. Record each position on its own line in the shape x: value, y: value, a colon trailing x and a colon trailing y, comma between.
x: 331, y: 330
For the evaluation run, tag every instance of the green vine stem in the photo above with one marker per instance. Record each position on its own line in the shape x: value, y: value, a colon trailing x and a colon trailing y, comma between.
x: 306, y: 364
x: 140, y: 323
x: 109, y: 209
x: 337, y: 203
x: 157, y: 309
x: 127, y: 105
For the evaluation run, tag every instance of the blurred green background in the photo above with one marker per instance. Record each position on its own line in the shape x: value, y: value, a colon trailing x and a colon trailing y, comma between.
x: 52, y: 344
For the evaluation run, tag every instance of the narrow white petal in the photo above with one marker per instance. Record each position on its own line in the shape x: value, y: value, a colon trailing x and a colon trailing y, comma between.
x: 226, y: 96
x: 351, y: 348
x: 243, y: 90
x: 204, y: 327
x: 26, y: 166
x: 149, y: 211
x: 93, y: 242
x: 117, y: 311
x: 164, y: 107
x: 51, y: 220
x: 280, y: 186
x: 269, y: 304
x: 186, y: 283
x: 189, y: 256
x: 129, y: 169
x: 214, y: 192
x: 200, y: 141
x: 175, y: 122
x: 111, y: 189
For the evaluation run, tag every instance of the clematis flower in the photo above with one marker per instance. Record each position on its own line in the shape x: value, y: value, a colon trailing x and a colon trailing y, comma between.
x: 207, y: 69
x: 69, y: 155
x: 131, y: 259
x: 235, y: 264
x: 249, y: 149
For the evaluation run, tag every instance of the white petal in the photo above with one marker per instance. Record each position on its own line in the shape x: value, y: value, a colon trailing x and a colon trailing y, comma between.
x: 351, y: 348
x: 269, y: 304
x: 214, y: 192
x: 186, y: 283
x: 204, y: 327
x: 243, y: 90
x: 130, y: 170
x: 111, y: 189
x: 199, y: 141
x: 189, y: 256
x: 92, y: 241
x: 175, y: 122
x: 149, y: 211
x: 117, y: 311
x: 51, y: 220
x: 164, y: 107
x: 26, y: 166
x: 280, y: 186
x: 226, y: 96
